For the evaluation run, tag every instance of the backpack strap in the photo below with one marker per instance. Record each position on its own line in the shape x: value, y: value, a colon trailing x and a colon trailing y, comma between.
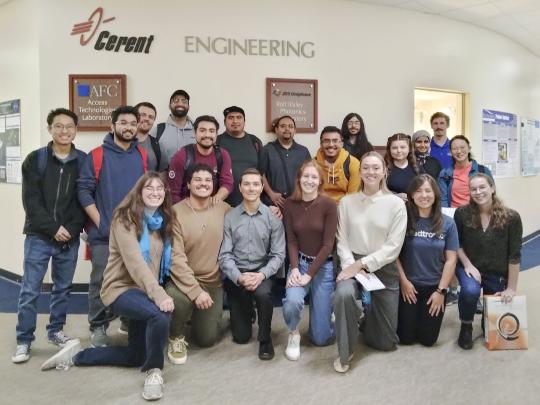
x: 160, y: 130
x: 42, y: 157
x: 144, y: 156
x: 347, y: 168
x: 97, y: 159
x: 157, y: 151
x: 190, y: 157
x: 256, y: 142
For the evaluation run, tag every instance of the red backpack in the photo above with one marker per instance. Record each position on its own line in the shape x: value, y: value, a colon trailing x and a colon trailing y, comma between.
x: 97, y: 159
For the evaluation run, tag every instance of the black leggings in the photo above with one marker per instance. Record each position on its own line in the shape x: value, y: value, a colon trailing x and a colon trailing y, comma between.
x: 415, y: 324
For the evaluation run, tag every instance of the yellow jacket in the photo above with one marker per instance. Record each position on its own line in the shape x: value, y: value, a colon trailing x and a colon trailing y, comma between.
x: 335, y: 183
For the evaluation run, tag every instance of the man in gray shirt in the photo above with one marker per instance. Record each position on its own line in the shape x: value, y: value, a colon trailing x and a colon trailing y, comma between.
x: 147, y: 117
x: 252, y: 251
x: 177, y: 131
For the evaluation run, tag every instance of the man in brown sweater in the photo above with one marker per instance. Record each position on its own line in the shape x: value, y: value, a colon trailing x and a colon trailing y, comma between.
x: 195, y: 282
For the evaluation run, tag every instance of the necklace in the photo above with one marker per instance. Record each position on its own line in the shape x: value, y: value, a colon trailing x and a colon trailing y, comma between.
x: 306, y: 205
x: 202, y: 217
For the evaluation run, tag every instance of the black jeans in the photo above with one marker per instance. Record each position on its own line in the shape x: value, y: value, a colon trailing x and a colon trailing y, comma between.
x: 241, y: 309
x: 415, y: 324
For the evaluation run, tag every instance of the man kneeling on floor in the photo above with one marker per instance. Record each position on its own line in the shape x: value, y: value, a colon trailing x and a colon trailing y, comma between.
x: 253, y: 250
x: 195, y: 283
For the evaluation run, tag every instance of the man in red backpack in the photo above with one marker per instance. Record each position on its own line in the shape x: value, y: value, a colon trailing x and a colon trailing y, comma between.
x: 107, y: 175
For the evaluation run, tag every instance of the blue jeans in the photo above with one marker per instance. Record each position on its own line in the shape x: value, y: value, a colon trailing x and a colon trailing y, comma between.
x: 147, y: 335
x: 321, y: 328
x: 37, y: 253
x: 470, y: 291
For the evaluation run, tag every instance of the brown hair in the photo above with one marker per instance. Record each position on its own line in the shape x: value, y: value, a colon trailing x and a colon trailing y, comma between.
x: 250, y: 170
x: 413, y: 214
x: 389, y: 161
x: 297, y: 193
x: 131, y: 210
x: 439, y: 114
x: 382, y: 184
x: 500, y: 215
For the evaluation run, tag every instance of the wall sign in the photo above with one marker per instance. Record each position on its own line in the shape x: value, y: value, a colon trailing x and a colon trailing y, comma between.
x: 10, y: 141
x: 106, y: 40
x: 294, y: 97
x: 94, y: 97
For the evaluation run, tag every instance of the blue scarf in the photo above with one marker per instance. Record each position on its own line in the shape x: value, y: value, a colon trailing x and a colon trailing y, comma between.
x: 154, y: 223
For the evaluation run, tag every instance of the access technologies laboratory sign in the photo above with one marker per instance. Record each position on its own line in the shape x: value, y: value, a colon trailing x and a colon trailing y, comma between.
x: 94, y: 97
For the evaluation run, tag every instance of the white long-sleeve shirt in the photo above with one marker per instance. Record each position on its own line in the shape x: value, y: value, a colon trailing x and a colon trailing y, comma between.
x: 373, y: 226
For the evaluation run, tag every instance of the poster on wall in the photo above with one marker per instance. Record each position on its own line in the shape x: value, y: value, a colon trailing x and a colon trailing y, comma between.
x: 294, y: 97
x: 10, y: 141
x: 500, y: 143
x: 94, y: 97
x: 530, y: 147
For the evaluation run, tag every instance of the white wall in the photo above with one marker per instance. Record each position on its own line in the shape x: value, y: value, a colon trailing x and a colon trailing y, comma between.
x: 368, y: 59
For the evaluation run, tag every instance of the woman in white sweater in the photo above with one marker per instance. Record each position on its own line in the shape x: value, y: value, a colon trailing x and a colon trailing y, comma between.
x: 371, y: 229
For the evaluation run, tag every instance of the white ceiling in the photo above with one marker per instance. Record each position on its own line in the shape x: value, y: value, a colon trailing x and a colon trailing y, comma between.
x: 518, y: 20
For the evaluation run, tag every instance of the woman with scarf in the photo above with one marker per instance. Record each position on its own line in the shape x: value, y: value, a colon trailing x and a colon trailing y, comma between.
x: 426, y: 164
x: 139, y: 261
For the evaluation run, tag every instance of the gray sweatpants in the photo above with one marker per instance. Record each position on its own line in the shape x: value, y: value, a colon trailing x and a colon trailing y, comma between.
x: 380, y: 319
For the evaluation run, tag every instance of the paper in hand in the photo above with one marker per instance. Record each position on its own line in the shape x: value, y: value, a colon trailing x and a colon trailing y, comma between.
x: 370, y: 281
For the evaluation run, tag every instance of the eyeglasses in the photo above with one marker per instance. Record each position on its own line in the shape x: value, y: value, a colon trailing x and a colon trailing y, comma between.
x: 331, y: 141
x: 151, y: 189
x: 60, y: 127
x: 127, y: 124
x: 355, y: 123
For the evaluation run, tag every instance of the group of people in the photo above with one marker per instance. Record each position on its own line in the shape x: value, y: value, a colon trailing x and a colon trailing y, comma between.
x: 177, y: 216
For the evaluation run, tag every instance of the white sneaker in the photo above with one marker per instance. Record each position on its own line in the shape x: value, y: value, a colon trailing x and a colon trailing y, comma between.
x: 153, y: 385
x: 293, y: 347
x: 64, y: 358
x: 22, y: 353
x: 340, y: 367
x: 177, y: 350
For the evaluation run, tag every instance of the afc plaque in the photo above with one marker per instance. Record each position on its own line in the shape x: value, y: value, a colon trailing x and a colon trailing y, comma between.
x: 94, y: 97
x: 294, y: 97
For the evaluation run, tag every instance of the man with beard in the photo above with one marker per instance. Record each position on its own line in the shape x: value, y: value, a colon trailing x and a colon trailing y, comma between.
x: 195, y: 283
x: 281, y: 160
x: 204, y: 151
x: 147, y: 116
x: 342, y: 171
x: 177, y: 131
x: 107, y: 175
x: 440, y: 144
x: 245, y: 149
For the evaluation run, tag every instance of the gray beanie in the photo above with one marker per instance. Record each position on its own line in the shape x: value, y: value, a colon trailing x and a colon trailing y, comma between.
x: 420, y: 134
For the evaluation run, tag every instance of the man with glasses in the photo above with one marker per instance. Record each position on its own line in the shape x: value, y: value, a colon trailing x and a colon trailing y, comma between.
x: 53, y: 223
x: 177, y: 131
x: 108, y: 174
x: 341, y: 169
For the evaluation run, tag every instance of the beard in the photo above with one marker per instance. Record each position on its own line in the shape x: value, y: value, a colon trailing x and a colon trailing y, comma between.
x: 180, y: 113
x: 122, y: 137
x: 206, y: 147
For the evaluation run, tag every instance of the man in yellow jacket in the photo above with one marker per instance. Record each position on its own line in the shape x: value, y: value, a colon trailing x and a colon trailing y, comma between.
x: 341, y: 170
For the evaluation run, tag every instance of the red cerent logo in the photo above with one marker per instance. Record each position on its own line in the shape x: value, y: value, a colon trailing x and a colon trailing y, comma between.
x: 106, y: 40
x: 86, y: 26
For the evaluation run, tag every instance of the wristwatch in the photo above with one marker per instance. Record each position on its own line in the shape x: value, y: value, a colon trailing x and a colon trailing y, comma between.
x: 442, y: 291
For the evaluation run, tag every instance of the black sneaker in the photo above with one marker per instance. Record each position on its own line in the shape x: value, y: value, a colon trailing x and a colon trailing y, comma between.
x: 452, y: 296
x: 266, y: 350
x: 465, y: 336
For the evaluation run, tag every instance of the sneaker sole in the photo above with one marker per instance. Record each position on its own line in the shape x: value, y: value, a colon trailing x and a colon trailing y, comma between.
x: 173, y: 360
x: 73, y: 347
x: 153, y: 397
x: 20, y: 360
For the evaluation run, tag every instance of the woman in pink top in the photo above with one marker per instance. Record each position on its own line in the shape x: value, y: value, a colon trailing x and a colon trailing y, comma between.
x: 454, y: 181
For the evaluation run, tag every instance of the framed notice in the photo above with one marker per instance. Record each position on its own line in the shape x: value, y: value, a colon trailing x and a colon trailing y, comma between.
x: 294, y: 97
x: 94, y: 97
x: 10, y: 141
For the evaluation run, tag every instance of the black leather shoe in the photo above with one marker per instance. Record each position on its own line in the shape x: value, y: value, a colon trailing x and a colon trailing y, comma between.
x: 465, y: 336
x: 266, y: 350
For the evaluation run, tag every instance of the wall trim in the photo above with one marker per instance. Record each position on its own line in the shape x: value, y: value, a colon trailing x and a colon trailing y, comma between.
x: 45, y: 287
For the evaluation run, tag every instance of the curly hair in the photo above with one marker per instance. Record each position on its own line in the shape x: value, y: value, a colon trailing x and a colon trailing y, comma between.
x: 131, y: 210
x: 500, y: 214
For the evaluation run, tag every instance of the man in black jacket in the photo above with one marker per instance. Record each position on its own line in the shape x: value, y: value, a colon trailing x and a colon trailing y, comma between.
x: 54, y: 220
